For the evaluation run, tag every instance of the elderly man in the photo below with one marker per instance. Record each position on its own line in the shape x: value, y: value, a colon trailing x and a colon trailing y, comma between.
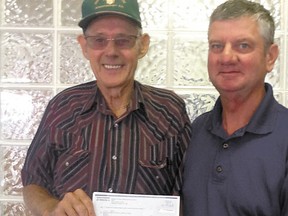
x: 109, y: 135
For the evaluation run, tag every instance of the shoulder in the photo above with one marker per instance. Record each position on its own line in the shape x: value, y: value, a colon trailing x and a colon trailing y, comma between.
x: 282, y: 109
x: 78, y: 90
x: 163, y: 105
x: 203, y: 122
x: 82, y: 90
x: 202, y: 119
x: 282, y: 114
x: 160, y: 95
x: 79, y: 94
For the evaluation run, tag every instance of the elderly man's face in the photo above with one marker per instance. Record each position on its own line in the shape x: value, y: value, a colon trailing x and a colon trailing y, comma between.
x: 113, y: 61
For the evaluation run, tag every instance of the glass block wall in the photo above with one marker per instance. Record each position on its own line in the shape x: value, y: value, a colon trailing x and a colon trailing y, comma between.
x: 39, y: 56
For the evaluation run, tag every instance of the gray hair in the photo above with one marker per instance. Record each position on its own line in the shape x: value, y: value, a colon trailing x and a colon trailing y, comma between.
x: 232, y: 9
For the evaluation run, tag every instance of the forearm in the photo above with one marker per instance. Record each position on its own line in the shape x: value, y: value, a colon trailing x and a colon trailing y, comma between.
x: 38, y: 199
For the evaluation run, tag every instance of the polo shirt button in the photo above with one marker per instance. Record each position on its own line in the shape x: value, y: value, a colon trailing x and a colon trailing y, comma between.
x: 219, y: 169
x: 110, y: 190
x: 67, y: 164
x: 225, y: 145
x: 114, y: 157
x: 116, y: 125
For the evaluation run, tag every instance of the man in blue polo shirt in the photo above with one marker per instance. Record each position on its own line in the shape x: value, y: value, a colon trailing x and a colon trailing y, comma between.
x: 237, y: 162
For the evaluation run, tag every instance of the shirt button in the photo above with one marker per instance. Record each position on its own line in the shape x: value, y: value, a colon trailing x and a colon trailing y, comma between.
x: 219, y: 169
x: 114, y: 157
x: 116, y: 125
x: 67, y: 164
x: 110, y: 190
x: 225, y: 145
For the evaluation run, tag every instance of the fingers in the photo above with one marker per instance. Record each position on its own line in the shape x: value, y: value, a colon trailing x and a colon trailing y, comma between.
x: 86, y: 201
x: 76, y: 203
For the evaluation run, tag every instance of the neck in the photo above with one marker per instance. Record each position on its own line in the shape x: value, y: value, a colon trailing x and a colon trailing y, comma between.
x: 118, y: 100
x: 238, y: 111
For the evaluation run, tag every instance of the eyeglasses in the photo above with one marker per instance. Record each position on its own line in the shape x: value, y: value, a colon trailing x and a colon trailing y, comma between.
x: 121, y: 41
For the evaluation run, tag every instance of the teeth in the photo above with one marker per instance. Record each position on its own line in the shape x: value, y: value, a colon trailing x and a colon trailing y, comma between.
x: 112, y: 66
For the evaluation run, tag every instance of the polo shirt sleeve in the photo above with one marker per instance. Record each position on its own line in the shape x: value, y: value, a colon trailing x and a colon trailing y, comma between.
x: 284, y: 193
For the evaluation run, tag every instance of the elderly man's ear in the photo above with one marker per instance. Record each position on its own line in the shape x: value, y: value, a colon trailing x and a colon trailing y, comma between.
x: 144, y: 45
x: 83, y: 43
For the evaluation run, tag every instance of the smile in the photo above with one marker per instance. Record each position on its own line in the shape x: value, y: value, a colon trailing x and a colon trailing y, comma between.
x: 112, y: 66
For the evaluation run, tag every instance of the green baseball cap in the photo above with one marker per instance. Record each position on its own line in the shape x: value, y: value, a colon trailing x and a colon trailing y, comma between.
x: 93, y: 8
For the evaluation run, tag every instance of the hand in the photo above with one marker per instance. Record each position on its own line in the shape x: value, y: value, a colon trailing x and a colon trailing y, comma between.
x: 76, y: 203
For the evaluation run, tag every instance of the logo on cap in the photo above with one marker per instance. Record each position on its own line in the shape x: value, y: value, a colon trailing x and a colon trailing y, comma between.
x: 110, y: 1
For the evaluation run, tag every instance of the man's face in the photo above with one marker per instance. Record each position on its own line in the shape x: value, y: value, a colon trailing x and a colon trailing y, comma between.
x: 237, y: 59
x: 113, y: 65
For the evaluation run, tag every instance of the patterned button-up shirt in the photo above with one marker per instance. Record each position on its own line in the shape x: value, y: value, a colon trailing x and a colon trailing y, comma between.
x: 81, y: 144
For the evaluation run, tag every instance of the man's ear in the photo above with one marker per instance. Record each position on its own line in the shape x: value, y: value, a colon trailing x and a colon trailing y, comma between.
x: 144, y: 45
x: 271, y: 56
x: 83, y: 43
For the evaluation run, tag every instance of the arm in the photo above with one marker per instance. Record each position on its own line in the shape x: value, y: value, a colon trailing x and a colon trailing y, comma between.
x: 41, y: 203
x: 284, y: 193
x: 183, y: 142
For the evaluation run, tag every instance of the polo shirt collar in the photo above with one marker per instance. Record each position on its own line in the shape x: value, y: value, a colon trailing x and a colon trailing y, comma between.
x: 262, y: 122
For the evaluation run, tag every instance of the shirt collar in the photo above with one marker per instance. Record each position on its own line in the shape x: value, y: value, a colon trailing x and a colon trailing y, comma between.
x: 96, y: 100
x: 91, y: 94
x: 262, y: 121
x: 138, y: 98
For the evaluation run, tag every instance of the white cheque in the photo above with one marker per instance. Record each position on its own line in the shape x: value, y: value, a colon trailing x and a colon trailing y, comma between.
x: 117, y: 204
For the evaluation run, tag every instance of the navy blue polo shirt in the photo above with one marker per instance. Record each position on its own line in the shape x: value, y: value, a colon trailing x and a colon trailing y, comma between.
x: 245, y: 173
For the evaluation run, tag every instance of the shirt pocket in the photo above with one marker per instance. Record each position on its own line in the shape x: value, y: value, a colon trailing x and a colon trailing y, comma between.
x: 153, y: 155
x: 156, y: 166
x: 158, y: 155
x: 72, y: 167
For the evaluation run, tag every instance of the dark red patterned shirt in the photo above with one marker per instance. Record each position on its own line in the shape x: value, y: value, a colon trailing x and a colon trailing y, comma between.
x: 81, y: 144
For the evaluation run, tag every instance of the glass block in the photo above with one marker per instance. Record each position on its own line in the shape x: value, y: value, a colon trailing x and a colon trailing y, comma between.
x: 285, y: 61
x: 74, y: 68
x: 274, y: 6
x: 154, y: 13
x: 152, y: 68
x: 26, y: 57
x: 274, y: 77
x: 70, y: 12
x: 21, y: 111
x: 190, y: 60
x: 198, y: 103
x: 196, y: 15
x: 12, y: 159
x: 28, y: 13
x: 13, y: 209
x: 188, y: 15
